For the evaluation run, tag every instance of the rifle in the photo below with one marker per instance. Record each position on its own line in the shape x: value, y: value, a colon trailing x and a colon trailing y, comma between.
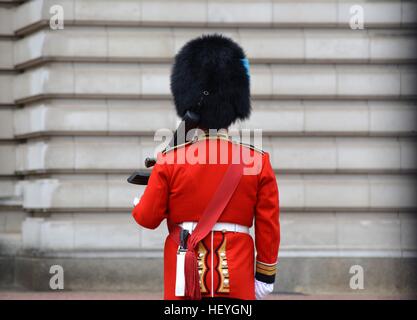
x: 189, y: 122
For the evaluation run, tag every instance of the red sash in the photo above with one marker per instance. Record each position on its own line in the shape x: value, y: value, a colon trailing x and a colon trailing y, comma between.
x: 208, y: 219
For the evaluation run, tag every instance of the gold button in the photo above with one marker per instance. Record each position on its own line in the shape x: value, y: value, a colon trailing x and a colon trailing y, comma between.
x: 225, y: 272
x: 226, y: 281
x: 222, y: 254
x: 224, y: 263
x: 200, y: 254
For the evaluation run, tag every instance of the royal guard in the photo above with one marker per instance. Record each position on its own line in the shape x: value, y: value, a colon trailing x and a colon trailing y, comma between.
x: 212, y: 189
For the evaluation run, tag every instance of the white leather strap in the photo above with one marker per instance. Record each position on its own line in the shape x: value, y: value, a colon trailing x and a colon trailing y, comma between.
x: 180, y: 275
x: 219, y: 226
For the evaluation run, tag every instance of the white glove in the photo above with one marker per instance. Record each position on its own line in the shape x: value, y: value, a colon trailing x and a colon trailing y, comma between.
x: 262, y: 289
x: 135, y: 201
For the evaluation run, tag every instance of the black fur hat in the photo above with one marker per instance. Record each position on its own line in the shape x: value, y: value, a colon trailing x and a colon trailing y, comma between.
x: 209, y: 77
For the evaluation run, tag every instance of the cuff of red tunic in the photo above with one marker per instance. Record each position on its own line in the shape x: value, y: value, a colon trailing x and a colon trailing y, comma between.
x: 265, y: 272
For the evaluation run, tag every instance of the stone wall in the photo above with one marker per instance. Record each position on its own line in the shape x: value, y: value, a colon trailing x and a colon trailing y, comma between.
x: 79, y: 106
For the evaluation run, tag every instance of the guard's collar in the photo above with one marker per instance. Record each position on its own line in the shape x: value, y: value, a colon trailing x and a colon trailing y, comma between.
x: 221, y: 133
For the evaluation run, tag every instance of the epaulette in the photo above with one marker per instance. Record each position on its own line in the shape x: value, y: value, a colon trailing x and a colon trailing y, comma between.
x: 250, y: 146
x: 177, y: 146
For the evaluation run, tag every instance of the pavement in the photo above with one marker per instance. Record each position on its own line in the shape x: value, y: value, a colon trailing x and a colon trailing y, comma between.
x: 75, y: 295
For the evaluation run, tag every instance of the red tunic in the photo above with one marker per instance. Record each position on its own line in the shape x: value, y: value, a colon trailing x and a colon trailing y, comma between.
x: 180, y: 192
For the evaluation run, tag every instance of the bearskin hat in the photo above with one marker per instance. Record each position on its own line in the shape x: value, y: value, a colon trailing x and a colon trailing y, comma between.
x: 210, y: 76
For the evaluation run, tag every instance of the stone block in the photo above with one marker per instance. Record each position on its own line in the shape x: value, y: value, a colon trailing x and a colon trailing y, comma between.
x: 140, y: 116
x: 6, y: 21
x: 76, y: 115
x: 408, y: 80
x: 304, y: 81
x: 368, y: 154
x: 304, y: 12
x: 261, y: 81
x: 7, y: 268
x: 376, y: 13
x: 60, y: 153
x: 107, y: 79
x: 78, y: 42
x: 270, y: 45
x: 47, y: 155
x: 121, y: 193
x: 336, y: 116
x: 328, y: 45
x: 3, y: 220
x: 291, y: 191
x: 9, y: 190
x: 55, y: 78
x: 90, y: 192
x: 71, y: 42
x: 11, y: 220
x: 29, y: 119
x: 408, y: 231
x: 408, y: 148
x: 393, y: 192
x: 151, y: 44
x: 33, y: 12
x: 392, y: 116
x: 242, y: 12
x: 408, y: 13
x: 154, y: 239
x: 6, y: 123
x: 7, y: 158
x: 96, y: 235
x: 10, y: 245
x: 368, y: 231
x: 275, y: 117
x: 61, y: 116
x: 109, y: 11
x: 188, y: 12
x: 155, y: 80
x: 369, y: 81
x: 338, y: 191
x: 6, y: 89
x: 33, y: 46
x: 57, y: 235
x: 92, y: 153
x: 31, y: 233
x: 308, y: 231
x: 6, y: 54
x: 392, y: 45
x: 304, y: 154
x: 27, y: 14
